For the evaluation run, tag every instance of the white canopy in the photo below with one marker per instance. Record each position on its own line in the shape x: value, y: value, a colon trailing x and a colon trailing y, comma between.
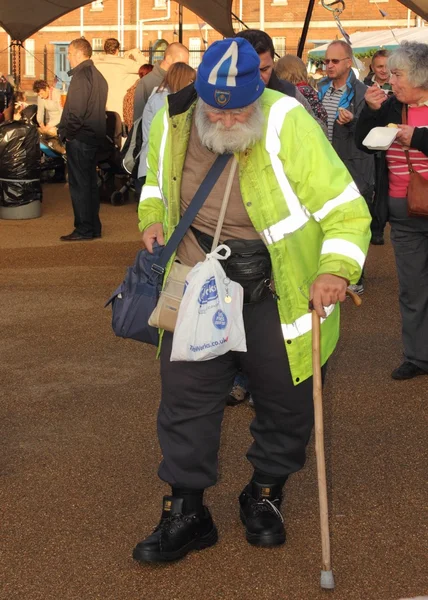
x: 363, y: 41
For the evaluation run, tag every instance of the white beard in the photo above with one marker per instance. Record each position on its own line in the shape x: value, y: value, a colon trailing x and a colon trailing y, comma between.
x: 219, y: 139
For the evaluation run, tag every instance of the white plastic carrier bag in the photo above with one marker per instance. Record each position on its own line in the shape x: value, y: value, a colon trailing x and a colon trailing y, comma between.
x: 210, y: 321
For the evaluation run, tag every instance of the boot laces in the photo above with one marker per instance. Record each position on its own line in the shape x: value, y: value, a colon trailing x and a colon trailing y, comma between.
x: 266, y: 505
x: 173, y: 522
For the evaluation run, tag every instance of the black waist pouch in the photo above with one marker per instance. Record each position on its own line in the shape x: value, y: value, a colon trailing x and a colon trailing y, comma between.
x: 249, y: 265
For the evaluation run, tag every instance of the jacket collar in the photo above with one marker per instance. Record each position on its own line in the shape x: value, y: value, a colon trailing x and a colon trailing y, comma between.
x: 86, y: 63
x: 347, y: 95
x: 325, y: 83
x: 181, y: 101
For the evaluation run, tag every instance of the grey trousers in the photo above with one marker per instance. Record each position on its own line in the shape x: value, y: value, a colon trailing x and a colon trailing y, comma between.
x: 194, y: 398
x: 409, y: 236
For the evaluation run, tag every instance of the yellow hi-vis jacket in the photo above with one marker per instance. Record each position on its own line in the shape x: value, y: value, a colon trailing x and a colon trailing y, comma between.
x: 299, y: 196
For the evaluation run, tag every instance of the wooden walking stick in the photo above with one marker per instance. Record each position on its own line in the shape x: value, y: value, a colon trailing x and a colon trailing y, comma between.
x: 327, y: 579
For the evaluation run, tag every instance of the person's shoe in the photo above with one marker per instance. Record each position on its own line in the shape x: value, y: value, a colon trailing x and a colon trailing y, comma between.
x: 260, y: 514
x: 377, y: 239
x: 357, y: 288
x: 177, y: 534
x: 407, y: 371
x: 75, y: 237
x: 237, y: 395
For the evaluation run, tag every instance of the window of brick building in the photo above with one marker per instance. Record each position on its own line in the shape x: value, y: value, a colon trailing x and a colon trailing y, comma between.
x: 97, y: 5
x: 195, y: 52
x: 279, y: 2
x: 159, y: 4
x: 279, y: 45
x: 97, y: 44
x: 30, y: 62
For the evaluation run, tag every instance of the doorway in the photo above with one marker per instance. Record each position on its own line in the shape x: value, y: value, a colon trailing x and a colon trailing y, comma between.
x: 61, y: 65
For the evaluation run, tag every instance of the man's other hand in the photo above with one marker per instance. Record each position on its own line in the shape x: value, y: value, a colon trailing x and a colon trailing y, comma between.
x: 345, y: 116
x: 327, y: 289
x: 152, y: 234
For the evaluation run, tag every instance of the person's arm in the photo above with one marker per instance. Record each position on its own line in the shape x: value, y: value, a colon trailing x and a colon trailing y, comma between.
x: 8, y: 112
x: 347, y: 117
x: 56, y: 97
x: 374, y: 113
x: 77, y: 102
x: 148, y: 114
x: 40, y: 112
x: 140, y: 99
x: 306, y: 104
x: 325, y: 188
x: 300, y: 98
x: 419, y: 140
x: 151, y: 209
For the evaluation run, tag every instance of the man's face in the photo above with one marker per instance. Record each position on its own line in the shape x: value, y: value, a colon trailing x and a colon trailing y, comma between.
x: 223, y: 130
x: 73, y: 56
x: 337, y: 63
x: 227, y: 119
x: 43, y: 93
x: 380, y: 69
x: 266, y: 66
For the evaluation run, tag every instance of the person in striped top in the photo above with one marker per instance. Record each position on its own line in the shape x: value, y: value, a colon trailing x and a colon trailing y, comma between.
x: 409, y: 235
x: 342, y: 95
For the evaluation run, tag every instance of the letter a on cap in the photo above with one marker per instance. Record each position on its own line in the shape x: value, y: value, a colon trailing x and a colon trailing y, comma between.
x: 225, y: 71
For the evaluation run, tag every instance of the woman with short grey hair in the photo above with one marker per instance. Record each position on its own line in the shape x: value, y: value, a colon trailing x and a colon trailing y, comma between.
x: 409, y: 234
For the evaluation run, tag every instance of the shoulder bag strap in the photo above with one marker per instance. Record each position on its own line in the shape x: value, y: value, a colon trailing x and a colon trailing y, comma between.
x: 406, y: 152
x: 192, y: 210
x: 224, y: 203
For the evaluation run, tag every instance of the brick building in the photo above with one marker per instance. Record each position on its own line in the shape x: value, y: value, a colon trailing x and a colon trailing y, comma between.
x: 144, y: 23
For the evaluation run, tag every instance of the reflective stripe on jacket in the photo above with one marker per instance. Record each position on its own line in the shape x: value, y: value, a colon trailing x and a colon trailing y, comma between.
x: 299, y: 197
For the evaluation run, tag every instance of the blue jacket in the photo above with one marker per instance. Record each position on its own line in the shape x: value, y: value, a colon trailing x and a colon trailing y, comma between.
x: 359, y: 164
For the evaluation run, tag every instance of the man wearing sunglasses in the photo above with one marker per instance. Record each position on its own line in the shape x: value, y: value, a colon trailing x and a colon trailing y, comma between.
x: 342, y: 95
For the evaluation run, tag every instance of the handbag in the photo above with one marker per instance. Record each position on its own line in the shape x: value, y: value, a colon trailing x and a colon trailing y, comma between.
x: 249, y: 264
x: 417, y: 192
x: 165, y: 313
x: 137, y: 296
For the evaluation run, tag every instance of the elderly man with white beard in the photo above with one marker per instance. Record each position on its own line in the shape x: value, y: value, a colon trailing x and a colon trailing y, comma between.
x: 293, y: 207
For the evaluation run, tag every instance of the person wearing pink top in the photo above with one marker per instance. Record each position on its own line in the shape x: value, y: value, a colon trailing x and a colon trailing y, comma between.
x: 409, y: 235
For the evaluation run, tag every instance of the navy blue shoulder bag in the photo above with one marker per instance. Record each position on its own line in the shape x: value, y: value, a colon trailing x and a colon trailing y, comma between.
x: 135, y: 299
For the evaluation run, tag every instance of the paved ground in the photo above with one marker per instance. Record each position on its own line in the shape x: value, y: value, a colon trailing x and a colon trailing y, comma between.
x: 79, y: 450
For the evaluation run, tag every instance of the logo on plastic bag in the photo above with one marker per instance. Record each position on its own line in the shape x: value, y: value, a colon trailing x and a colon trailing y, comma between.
x: 208, y: 291
x: 220, y: 320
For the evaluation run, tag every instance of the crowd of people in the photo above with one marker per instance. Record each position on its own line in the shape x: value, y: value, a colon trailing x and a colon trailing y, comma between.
x: 308, y: 195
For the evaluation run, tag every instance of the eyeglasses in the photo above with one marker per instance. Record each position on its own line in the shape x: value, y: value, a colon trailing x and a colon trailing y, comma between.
x: 335, y: 61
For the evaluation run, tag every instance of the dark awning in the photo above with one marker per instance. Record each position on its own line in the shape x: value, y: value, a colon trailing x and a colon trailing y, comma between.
x: 22, y: 18
x: 217, y: 13
x: 420, y: 7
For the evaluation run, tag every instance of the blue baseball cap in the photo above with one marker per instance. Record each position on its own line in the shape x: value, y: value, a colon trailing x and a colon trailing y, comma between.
x: 229, y: 74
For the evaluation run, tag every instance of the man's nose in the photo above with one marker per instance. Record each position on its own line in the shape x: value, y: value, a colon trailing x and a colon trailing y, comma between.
x: 228, y: 120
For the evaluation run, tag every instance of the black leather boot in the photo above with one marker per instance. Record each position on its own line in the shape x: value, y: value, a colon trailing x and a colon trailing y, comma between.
x: 177, y: 533
x: 260, y: 504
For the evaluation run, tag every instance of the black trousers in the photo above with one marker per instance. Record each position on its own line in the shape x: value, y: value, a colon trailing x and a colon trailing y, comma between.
x: 409, y: 237
x: 82, y: 180
x: 194, y: 398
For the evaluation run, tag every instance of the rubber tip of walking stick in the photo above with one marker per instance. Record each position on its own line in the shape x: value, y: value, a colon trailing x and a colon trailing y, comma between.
x: 327, y: 580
